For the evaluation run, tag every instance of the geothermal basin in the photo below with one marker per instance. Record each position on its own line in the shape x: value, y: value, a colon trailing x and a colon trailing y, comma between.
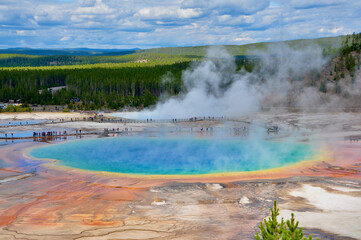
x: 171, y: 180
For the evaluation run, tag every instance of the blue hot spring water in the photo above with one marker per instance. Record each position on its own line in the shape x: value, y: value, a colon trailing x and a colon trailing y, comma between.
x: 174, y: 156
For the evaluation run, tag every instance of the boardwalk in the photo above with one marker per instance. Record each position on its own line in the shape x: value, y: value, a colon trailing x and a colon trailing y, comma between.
x: 53, y: 135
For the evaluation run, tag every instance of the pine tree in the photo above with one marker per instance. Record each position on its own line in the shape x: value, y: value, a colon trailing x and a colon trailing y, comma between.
x: 293, y: 233
x: 271, y: 229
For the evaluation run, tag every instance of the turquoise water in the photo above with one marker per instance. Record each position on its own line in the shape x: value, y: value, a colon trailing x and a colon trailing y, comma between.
x: 179, y: 156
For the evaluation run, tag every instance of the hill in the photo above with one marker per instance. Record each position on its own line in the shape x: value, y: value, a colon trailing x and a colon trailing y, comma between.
x: 327, y: 43
x: 50, y: 57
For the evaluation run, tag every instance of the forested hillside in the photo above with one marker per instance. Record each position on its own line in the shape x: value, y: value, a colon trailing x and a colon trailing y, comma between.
x: 341, y: 73
x: 329, y: 44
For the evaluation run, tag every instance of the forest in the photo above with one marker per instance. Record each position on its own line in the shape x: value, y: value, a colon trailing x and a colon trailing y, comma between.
x: 96, y: 86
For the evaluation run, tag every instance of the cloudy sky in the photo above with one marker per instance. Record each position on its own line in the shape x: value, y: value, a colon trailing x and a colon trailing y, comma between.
x: 160, y: 23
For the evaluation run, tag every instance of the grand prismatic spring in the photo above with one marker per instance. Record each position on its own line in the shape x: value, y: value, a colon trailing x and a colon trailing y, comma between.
x: 175, y: 156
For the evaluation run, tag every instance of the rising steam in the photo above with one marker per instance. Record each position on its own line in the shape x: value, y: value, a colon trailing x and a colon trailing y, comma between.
x: 214, y: 86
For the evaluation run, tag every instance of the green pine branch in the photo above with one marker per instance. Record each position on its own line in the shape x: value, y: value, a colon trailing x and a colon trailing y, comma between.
x: 271, y: 229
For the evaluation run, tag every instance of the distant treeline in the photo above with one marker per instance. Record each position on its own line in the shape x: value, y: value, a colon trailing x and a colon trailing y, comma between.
x: 21, y: 60
x: 18, y: 60
x: 96, y: 87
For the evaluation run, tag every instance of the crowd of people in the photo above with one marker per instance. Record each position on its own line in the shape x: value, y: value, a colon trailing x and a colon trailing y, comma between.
x: 107, y: 130
x: 49, y: 133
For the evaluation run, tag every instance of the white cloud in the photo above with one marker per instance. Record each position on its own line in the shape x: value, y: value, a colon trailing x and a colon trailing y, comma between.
x: 48, y: 14
x: 232, y: 7
x: 4, y: 8
x: 65, y: 38
x: 242, y: 39
x: 25, y: 33
x: 191, y: 26
x: 259, y: 20
x: 168, y: 13
x: 332, y: 30
x: 98, y: 8
x: 95, y: 14
x: 304, y: 4
x: 241, y: 20
x: 239, y: 6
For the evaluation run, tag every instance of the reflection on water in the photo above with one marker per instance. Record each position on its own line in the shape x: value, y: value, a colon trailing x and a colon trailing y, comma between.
x: 20, y: 122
